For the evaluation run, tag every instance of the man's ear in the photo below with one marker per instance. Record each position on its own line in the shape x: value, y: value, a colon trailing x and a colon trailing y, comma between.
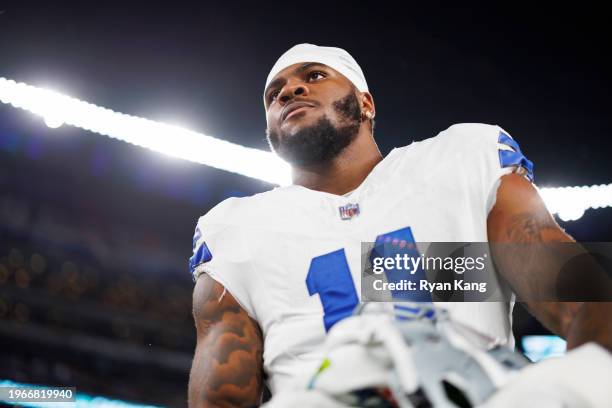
x: 367, y: 103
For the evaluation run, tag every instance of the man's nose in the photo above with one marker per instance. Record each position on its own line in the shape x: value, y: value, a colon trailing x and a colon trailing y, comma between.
x: 291, y: 90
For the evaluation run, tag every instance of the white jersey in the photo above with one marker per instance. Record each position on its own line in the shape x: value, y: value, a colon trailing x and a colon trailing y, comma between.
x: 261, y: 248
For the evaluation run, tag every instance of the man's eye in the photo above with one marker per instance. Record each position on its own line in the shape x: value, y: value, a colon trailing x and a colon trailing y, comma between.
x: 273, y: 96
x: 316, y: 75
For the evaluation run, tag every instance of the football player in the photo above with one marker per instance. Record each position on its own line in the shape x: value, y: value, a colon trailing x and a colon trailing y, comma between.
x: 275, y: 271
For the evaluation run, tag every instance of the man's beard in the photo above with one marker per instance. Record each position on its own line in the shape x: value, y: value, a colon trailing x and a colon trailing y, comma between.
x: 321, y: 142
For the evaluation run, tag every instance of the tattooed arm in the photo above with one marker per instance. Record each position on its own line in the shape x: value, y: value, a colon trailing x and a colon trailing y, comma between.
x: 227, y: 366
x: 520, y: 217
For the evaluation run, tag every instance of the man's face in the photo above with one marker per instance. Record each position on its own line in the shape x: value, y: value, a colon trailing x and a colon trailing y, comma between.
x: 312, y: 113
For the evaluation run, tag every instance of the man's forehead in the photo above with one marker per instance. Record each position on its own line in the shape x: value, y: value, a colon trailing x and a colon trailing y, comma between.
x: 300, y: 67
x: 295, y: 69
x: 334, y: 58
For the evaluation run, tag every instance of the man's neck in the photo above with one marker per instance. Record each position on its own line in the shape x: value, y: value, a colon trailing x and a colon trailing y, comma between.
x: 346, y: 172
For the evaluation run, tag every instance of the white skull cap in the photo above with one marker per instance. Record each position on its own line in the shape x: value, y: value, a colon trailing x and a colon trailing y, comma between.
x: 333, y: 57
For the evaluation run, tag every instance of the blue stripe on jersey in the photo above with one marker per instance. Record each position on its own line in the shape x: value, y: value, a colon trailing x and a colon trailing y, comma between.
x: 196, y: 237
x: 514, y: 157
x: 424, y: 310
x: 200, y: 256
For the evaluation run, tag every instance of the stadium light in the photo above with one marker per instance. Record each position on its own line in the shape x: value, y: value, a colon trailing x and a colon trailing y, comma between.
x: 56, y: 109
x: 53, y: 122
x: 570, y: 203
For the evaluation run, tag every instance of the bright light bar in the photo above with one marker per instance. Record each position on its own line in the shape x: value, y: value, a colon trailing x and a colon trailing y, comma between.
x: 57, y: 109
x: 570, y: 203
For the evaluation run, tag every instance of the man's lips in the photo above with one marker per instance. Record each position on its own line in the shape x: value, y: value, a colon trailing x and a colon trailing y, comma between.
x: 294, y: 107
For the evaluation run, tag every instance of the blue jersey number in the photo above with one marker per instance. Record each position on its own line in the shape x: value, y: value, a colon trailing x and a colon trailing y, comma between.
x: 329, y: 276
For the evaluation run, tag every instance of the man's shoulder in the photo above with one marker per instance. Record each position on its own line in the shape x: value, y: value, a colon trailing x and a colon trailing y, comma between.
x: 466, y: 129
x: 458, y: 140
x: 472, y: 135
x: 242, y: 210
x: 458, y: 134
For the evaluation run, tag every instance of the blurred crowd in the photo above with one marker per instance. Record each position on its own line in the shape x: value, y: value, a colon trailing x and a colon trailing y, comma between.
x: 83, y: 300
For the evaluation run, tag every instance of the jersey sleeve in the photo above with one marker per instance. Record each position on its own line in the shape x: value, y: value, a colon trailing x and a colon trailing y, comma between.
x: 219, y: 250
x: 489, y: 153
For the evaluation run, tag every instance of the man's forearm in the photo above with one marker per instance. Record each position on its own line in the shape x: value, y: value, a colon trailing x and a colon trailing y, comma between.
x: 225, y: 375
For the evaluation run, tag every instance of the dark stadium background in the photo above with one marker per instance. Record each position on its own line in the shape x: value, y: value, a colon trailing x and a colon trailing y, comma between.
x: 95, y: 233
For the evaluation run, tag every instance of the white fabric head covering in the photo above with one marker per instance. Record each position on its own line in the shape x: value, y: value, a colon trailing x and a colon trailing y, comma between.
x: 333, y: 57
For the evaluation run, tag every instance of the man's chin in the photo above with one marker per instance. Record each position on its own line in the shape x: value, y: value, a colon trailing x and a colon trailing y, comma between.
x: 305, y: 143
x: 295, y: 125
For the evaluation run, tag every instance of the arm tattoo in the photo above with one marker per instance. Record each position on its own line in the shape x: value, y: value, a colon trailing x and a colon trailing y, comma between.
x: 227, y: 366
x: 527, y: 255
x: 532, y: 227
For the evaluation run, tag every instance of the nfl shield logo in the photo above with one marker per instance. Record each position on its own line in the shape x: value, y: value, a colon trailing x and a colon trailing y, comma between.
x: 349, y: 211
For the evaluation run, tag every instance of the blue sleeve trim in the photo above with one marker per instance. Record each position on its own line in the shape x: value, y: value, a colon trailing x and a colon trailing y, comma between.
x: 514, y: 157
x: 200, y: 256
